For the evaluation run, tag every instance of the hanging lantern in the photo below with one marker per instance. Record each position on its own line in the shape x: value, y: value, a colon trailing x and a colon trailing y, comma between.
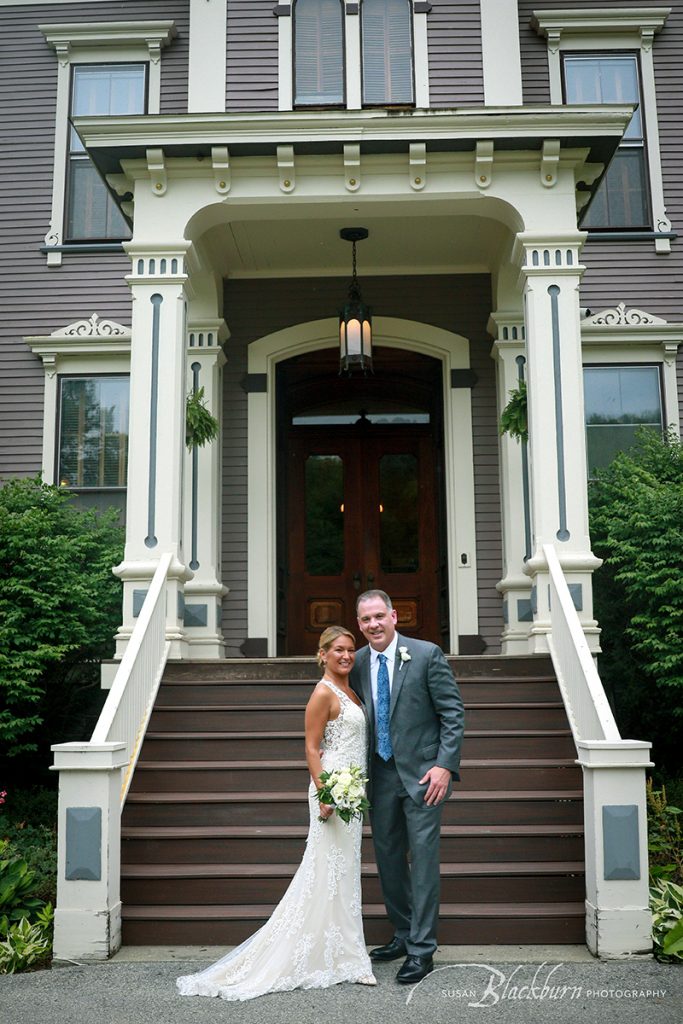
x: 355, y: 319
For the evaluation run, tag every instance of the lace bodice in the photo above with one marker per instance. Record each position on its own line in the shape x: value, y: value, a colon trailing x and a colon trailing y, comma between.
x: 345, y: 738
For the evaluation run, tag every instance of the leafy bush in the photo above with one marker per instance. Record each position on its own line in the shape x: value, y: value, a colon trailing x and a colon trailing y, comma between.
x: 27, y: 944
x: 16, y: 889
x: 636, y: 516
x: 666, y: 903
x: 59, y: 609
x: 665, y: 835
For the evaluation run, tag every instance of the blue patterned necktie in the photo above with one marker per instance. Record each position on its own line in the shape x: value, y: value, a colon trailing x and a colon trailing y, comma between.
x: 384, y: 748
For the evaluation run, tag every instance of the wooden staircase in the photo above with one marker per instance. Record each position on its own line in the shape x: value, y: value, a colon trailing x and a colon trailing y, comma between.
x: 216, y: 818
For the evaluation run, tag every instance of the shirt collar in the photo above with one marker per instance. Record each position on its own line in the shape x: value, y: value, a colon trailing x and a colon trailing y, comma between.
x: 389, y: 652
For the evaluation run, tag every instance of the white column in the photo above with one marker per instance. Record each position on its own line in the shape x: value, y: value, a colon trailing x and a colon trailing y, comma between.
x: 618, y: 918
x: 156, y: 434
x: 509, y: 353
x: 500, y: 53
x: 285, y: 51
x: 88, y: 914
x: 207, y: 59
x: 353, y: 60
x: 551, y: 273
x: 203, y: 498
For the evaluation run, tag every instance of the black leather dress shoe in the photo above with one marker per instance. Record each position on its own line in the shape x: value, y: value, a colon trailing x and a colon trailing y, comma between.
x: 392, y: 951
x: 415, y: 968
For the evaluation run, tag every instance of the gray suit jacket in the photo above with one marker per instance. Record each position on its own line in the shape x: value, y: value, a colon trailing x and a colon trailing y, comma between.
x: 426, y: 716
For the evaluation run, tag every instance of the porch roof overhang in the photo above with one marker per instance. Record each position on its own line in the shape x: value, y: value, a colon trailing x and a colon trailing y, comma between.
x: 594, y: 130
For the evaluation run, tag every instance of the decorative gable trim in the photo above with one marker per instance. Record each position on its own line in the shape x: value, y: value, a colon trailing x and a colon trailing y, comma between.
x: 621, y: 316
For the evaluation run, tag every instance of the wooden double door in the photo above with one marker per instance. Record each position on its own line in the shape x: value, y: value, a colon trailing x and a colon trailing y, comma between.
x: 362, y: 513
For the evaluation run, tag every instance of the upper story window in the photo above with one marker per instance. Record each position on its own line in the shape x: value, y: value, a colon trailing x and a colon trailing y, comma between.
x: 622, y: 200
x: 318, y: 53
x: 91, y: 212
x: 387, y: 48
x: 619, y: 400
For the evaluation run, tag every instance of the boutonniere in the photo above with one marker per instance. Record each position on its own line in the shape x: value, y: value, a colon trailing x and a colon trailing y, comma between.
x: 404, y: 654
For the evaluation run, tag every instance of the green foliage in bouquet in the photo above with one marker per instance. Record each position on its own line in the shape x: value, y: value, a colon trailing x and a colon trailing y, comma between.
x: 344, y: 789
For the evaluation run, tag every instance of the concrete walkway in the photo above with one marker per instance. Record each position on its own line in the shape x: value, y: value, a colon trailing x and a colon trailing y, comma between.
x: 498, y: 984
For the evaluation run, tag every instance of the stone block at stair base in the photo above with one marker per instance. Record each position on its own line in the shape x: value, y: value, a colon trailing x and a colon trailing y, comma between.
x: 622, y: 933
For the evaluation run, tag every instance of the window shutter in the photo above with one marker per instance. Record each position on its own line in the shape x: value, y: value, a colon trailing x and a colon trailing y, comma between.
x: 387, y: 52
x: 318, y: 52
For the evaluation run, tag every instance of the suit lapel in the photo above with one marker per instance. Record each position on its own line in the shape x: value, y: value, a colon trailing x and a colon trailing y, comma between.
x: 401, y: 670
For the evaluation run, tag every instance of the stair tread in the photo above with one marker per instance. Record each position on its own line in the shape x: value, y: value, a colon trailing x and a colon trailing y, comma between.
x: 276, y: 708
x: 293, y: 831
x: 539, y: 762
x: 287, y: 796
x: 260, y: 910
x: 149, y: 871
x: 299, y: 734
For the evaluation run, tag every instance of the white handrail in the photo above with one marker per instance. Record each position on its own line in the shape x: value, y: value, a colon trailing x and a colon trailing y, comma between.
x: 129, y: 704
x: 588, y: 710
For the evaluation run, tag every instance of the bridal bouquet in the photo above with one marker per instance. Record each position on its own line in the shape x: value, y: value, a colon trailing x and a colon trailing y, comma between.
x: 344, y: 789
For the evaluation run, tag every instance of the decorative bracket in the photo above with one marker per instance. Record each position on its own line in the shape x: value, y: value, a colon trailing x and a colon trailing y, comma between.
x: 157, y: 171
x: 63, y: 51
x: 483, y: 163
x: 49, y: 363
x: 647, y: 36
x: 285, y: 165
x: 220, y: 161
x: 418, y: 165
x: 352, y: 166
x: 154, y: 50
x: 554, y: 36
x: 550, y: 162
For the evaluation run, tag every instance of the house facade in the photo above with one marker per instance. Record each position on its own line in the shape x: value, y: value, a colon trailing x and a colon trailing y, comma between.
x: 178, y: 177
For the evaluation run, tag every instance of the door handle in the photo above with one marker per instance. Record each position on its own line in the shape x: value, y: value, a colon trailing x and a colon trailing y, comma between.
x: 356, y: 580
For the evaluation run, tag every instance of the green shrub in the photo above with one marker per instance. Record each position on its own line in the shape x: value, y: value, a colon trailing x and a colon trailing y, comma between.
x: 666, y: 904
x: 17, y: 899
x: 27, y: 944
x: 665, y: 836
x: 636, y: 518
x: 59, y: 609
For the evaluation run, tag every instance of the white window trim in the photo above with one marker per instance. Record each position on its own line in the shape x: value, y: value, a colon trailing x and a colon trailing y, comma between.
x: 93, y: 347
x: 96, y: 43
x: 352, y: 56
x: 624, y: 336
x: 621, y: 28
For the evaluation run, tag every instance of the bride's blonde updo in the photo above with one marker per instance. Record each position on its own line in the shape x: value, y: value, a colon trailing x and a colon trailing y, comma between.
x: 327, y: 638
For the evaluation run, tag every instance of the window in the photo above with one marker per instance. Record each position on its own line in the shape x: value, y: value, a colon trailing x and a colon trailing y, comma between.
x: 619, y: 400
x: 319, y: 53
x: 387, y: 52
x: 112, y: 89
x: 93, y: 432
x: 622, y: 200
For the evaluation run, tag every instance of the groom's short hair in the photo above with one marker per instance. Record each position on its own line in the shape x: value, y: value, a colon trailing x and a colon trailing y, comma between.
x: 369, y: 595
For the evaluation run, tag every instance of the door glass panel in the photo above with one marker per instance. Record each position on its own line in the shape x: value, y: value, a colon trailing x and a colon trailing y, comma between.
x: 398, y: 513
x: 324, y: 515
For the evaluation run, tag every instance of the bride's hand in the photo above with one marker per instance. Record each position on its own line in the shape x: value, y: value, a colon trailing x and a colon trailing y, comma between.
x: 326, y: 810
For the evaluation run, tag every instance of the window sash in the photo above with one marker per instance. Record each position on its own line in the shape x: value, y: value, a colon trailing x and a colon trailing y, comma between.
x: 319, y: 53
x: 93, y: 432
x: 387, y: 52
x: 619, y: 400
x: 104, y: 90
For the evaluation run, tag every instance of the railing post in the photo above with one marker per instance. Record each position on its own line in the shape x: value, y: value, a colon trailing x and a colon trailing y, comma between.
x: 618, y: 919
x: 88, y: 914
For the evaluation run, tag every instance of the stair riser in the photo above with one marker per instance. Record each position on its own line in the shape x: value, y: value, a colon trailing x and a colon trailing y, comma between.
x: 261, y: 720
x: 295, y: 812
x: 470, y: 931
x: 236, y: 780
x: 248, y: 748
x: 290, y: 692
x: 239, y: 891
x: 250, y: 850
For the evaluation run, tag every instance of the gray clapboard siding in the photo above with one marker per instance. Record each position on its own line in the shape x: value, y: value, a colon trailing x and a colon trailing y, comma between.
x: 256, y: 308
x: 456, y: 75
x: 252, y: 56
x: 35, y: 299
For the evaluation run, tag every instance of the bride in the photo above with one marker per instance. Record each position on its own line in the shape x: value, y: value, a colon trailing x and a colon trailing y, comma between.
x: 314, y: 937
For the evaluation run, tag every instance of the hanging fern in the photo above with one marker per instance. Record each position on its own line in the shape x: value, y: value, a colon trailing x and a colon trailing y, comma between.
x: 200, y: 426
x: 513, y: 419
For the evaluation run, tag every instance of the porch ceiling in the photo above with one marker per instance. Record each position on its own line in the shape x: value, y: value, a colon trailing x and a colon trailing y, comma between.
x: 420, y: 245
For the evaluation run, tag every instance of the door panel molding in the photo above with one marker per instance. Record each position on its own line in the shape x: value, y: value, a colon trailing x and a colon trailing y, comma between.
x: 264, y: 355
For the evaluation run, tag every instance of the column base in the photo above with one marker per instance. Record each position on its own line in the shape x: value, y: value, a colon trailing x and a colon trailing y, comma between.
x: 616, y: 934
x: 87, y: 934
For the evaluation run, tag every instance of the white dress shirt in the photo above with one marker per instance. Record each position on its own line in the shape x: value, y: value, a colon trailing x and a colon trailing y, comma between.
x: 390, y: 654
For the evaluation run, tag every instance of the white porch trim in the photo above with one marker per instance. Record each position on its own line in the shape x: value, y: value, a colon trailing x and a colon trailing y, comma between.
x: 264, y: 355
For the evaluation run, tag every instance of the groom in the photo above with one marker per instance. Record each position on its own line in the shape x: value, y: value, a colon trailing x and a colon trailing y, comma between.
x: 415, y: 736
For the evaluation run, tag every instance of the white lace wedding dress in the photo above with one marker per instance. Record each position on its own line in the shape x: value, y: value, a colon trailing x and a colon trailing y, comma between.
x: 314, y: 937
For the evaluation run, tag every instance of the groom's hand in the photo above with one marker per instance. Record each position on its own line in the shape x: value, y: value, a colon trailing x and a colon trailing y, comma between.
x: 438, y: 779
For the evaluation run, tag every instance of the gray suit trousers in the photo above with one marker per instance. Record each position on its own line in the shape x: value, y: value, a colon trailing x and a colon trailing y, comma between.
x: 410, y: 888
